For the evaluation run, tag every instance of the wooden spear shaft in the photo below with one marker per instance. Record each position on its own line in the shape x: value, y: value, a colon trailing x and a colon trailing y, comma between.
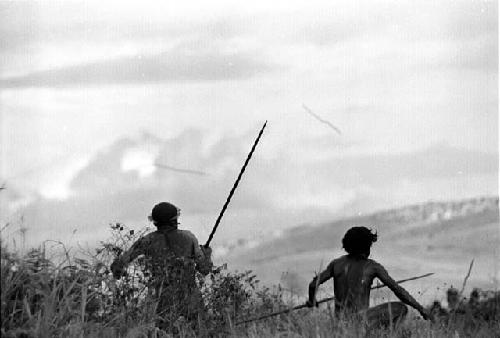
x: 324, y: 301
x: 231, y: 193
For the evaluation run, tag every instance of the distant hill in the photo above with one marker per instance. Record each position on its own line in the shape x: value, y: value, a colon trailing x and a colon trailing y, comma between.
x: 440, y: 237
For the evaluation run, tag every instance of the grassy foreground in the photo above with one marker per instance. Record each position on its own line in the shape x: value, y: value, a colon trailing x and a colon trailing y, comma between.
x: 66, y: 295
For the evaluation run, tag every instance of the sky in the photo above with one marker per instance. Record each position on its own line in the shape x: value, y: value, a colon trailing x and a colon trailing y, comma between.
x: 107, y: 108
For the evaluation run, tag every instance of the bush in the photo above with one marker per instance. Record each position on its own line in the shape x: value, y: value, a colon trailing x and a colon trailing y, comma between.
x: 80, y: 296
x: 76, y: 295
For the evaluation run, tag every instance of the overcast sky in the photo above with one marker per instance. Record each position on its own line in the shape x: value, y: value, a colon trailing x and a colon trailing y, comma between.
x: 93, y: 94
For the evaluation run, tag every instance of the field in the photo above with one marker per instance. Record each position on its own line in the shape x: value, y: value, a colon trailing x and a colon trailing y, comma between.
x: 441, y: 238
x: 58, y: 293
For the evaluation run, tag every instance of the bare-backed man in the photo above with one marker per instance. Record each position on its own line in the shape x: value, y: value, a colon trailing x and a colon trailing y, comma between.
x: 353, y: 275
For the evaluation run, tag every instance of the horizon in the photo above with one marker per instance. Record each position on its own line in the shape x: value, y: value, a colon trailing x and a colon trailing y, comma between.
x: 108, y: 109
x: 225, y: 248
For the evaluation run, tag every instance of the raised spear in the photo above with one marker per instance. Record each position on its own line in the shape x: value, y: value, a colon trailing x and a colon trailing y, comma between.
x: 233, y: 189
x: 323, y: 301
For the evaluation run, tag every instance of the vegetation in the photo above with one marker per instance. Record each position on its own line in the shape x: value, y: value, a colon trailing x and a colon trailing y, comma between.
x: 76, y: 296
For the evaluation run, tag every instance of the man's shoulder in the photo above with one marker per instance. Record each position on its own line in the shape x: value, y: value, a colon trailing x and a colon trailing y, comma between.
x: 349, y: 259
x: 186, y: 234
x: 337, y: 262
x: 144, y: 241
x: 339, y: 259
x: 374, y: 264
x: 148, y: 238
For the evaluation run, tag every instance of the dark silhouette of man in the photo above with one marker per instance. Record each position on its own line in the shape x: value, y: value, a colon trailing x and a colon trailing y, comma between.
x: 453, y: 298
x: 172, y: 256
x: 353, y: 275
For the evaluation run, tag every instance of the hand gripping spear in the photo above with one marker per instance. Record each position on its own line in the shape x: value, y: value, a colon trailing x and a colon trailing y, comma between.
x: 231, y: 193
x: 323, y: 301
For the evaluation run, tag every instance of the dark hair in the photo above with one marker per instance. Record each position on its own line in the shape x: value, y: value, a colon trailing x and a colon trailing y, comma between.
x: 358, y: 240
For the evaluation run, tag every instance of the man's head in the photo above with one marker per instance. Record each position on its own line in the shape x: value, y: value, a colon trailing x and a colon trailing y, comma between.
x: 358, y: 241
x: 453, y: 297
x: 475, y: 296
x: 165, y: 213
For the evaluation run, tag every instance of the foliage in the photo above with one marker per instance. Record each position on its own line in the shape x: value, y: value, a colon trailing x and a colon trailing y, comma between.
x: 80, y: 296
x: 76, y: 295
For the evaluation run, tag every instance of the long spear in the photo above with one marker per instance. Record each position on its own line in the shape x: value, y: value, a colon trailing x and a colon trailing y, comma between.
x: 324, y: 301
x: 234, y: 186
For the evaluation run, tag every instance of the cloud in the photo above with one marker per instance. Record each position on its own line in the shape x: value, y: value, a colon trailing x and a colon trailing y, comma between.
x: 276, y: 191
x: 183, y: 64
x: 28, y: 24
x: 480, y: 54
x: 103, y: 192
x: 436, y: 162
x: 380, y: 35
x: 402, y: 21
x: 400, y: 37
x: 222, y: 161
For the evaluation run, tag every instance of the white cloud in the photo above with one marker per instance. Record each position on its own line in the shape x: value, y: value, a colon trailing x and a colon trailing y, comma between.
x: 176, y: 66
x: 140, y: 160
x: 395, y: 77
x: 280, y: 190
x: 58, y: 188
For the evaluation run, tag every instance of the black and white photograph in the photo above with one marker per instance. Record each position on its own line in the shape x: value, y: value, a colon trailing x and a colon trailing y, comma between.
x: 249, y: 168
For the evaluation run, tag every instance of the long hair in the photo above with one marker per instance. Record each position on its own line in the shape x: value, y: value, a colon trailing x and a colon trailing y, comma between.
x: 358, y: 240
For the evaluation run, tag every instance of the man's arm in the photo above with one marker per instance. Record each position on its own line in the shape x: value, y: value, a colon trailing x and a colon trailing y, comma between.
x: 318, y: 280
x: 202, y: 257
x: 399, y: 291
x: 120, y: 263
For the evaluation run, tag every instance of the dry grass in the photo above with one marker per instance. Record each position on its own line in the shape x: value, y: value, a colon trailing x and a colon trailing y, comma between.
x: 65, y: 296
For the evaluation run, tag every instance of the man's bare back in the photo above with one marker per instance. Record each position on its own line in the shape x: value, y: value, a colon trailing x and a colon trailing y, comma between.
x: 353, y: 275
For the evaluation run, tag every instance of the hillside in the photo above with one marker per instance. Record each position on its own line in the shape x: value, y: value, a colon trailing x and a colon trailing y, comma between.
x: 440, y: 237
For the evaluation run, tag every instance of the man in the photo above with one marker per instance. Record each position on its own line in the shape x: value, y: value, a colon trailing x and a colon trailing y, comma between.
x: 453, y: 298
x: 436, y: 310
x: 172, y: 257
x: 353, y: 275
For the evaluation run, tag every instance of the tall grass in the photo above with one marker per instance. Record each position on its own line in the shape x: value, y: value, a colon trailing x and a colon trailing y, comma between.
x: 75, y: 295
x: 78, y: 296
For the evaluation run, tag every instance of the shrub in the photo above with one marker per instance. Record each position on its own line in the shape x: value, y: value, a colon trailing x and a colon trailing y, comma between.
x: 76, y: 295
x: 80, y: 296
